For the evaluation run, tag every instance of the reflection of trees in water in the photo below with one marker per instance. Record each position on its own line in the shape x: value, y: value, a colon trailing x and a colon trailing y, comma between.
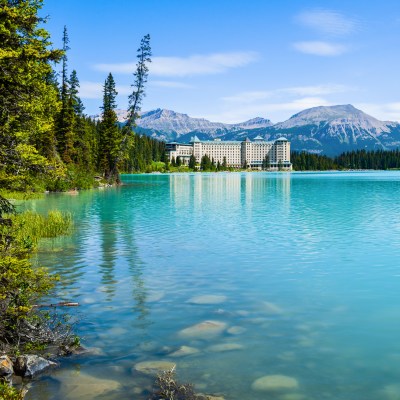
x: 104, y: 241
x: 119, y: 251
x: 136, y: 269
x: 109, y: 237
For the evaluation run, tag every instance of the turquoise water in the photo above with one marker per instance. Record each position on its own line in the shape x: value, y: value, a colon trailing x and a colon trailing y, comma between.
x: 303, y: 271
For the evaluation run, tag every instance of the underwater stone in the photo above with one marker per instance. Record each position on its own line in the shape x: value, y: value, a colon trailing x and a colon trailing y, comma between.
x: 203, y: 330
x: 225, y: 347
x: 154, y: 368
x: 83, y: 386
x: 184, y: 351
x: 236, y: 330
x: 275, y: 383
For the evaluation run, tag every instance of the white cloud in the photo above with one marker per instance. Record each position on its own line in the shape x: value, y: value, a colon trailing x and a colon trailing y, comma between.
x: 276, y: 111
x: 90, y: 90
x: 187, y: 66
x: 383, y: 112
x: 170, y: 84
x: 320, y: 48
x: 307, y: 91
x: 328, y: 22
x: 94, y: 90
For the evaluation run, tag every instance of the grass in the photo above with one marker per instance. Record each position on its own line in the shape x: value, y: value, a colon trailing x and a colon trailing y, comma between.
x: 34, y: 226
x: 12, y: 195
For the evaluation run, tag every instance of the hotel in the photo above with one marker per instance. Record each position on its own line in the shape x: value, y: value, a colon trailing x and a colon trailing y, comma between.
x: 238, y: 154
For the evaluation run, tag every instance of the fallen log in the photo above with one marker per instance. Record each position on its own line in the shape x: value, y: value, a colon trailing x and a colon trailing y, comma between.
x: 61, y: 304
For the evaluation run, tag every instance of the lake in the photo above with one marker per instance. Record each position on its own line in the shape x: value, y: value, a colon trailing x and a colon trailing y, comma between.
x: 289, y: 277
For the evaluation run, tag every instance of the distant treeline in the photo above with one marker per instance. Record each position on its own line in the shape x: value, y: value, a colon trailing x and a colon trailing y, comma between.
x: 358, y: 159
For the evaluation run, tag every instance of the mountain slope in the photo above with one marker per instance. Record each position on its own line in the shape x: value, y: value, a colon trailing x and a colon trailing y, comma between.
x: 328, y: 130
x: 335, y: 129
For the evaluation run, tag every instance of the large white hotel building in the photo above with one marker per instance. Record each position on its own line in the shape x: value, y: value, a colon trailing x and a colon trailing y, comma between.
x: 237, y: 154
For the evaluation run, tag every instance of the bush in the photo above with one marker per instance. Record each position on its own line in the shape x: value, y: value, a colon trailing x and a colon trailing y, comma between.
x: 21, y: 286
x: 10, y: 393
x: 168, y: 388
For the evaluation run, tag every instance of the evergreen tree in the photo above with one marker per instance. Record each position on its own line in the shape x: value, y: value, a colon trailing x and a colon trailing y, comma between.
x: 28, y: 98
x: 192, y: 162
x: 65, y: 125
x: 206, y: 163
x: 178, y: 161
x: 224, y: 164
x: 110, y: 136
x: 265, y: 163
x: 135, y: 99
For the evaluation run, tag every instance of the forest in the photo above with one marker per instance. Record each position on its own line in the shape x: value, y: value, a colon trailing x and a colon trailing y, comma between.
x: 357, y: 159
x: 46, y: 140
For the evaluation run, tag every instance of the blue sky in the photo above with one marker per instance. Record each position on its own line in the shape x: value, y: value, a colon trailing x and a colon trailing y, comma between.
x: 229, y: 61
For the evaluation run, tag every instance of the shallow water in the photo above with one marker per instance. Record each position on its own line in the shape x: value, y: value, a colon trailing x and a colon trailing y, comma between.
x: 303, y: 272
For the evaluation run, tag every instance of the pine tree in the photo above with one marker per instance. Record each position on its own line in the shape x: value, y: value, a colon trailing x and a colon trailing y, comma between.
x: 192, y: 162
x: 28, y: 99
x: 265, y: 163
x: 224, y: 164
x: 110, y: 136
x: 138, y: 93
x: 65, y: 125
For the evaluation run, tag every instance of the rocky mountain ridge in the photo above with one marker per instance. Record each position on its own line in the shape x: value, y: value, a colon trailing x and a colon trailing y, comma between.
x: 326, y: 129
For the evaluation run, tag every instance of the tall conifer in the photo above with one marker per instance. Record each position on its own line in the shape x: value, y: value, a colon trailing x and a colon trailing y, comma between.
x: 110, y: 137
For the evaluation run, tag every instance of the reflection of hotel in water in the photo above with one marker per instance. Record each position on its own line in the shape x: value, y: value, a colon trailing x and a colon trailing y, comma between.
x: 237, y: 154
x: 228, y: 190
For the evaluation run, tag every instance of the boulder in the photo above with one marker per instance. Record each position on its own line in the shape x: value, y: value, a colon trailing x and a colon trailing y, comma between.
x: 30, y: 365
x: 6, y: 367
x: 153, y: 368
x: 236, y: 330
x: 78, y: 385
x: 203, y: 330
x: 184, y: 351
x: 217, y: 348
x: 275, y: 383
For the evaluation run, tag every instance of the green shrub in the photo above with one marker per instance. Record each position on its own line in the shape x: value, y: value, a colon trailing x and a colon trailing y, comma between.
x: 21, y: 286
x: 10, y: 393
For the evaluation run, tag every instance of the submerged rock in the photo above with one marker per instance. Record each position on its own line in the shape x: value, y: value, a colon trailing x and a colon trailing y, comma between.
x: 153, y: 368
x: 184, y: 351
x: 217, y: 348
x: 83, y: 386
x: 203, y: 330
x: 275, y: 383
x: 30, y: 365
x: 236, y: 330
x: 207, y: 299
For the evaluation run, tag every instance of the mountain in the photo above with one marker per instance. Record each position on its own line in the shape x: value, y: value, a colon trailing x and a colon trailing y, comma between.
x: 328, y: 130
x: 332, y: 130
x: 175, y: 126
